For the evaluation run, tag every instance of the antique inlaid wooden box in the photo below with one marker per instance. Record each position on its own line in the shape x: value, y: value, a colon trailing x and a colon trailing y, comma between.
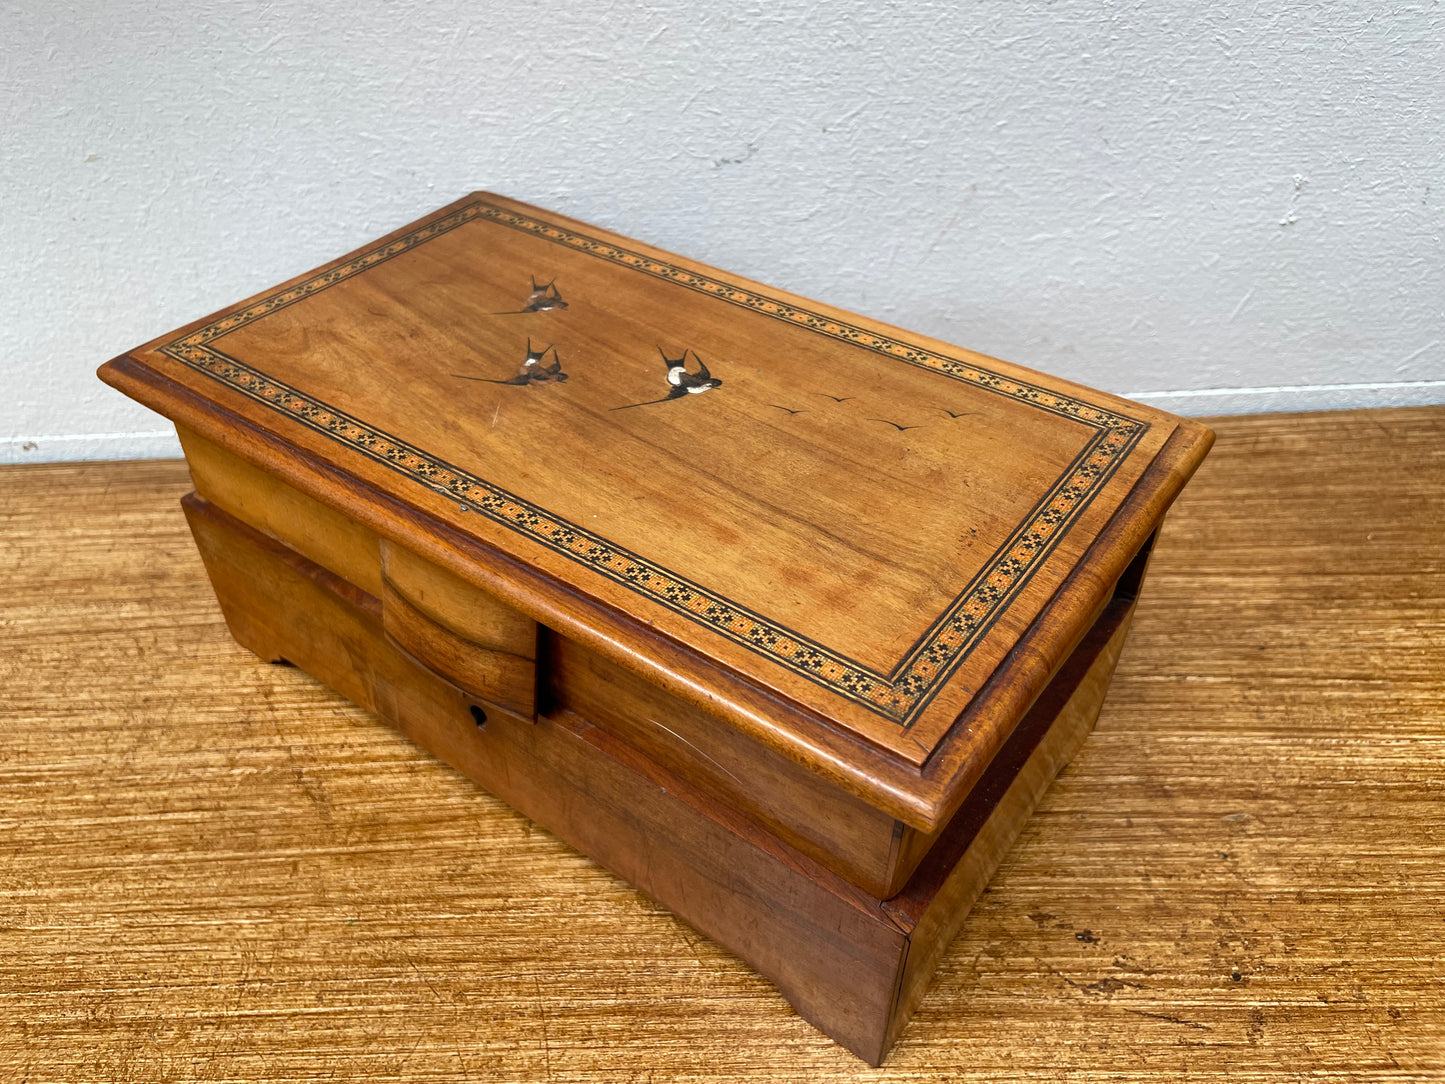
x: 786, y: 616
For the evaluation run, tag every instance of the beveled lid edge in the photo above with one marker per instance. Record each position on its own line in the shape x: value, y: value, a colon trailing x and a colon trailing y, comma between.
x: 1025, y: 672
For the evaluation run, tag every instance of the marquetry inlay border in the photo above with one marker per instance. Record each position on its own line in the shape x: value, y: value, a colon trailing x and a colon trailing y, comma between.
x: 900, y: 694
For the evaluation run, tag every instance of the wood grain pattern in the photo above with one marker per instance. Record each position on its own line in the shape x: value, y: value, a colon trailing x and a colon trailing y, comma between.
x: 868, y: 560
x: 832, y: 950
x: 501, y: 678
x: 214, y: 869
x: 456, y: 605
x: 829, y: 825
x: 936, y: 901
x: 478, y: 642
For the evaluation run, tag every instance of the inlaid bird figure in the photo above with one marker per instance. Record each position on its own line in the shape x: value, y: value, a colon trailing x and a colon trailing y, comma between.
x: 531, y: 371
x: 682, y: 382
x: 900, y: 428
x: 543, y: 298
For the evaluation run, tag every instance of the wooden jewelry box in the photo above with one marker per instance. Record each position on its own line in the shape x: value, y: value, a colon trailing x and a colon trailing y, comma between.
x: 786, y: 616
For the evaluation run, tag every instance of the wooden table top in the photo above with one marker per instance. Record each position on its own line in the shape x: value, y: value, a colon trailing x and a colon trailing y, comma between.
x: 213, y: 869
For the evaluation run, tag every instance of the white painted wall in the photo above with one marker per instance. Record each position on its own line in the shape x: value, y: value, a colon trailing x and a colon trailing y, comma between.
x: 1212, y: 207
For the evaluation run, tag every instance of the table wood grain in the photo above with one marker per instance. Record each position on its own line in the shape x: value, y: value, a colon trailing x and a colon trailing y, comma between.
x: 213, y: 869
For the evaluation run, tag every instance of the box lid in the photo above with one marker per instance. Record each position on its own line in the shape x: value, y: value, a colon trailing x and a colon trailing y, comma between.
x: 830, y: 532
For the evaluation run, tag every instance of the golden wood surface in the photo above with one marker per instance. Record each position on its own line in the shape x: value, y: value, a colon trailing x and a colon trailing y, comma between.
x: 857, y: 522
x: 214, y: 869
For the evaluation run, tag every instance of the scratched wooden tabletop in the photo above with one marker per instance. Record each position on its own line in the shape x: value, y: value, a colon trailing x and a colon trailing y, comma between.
x: 213, y: 869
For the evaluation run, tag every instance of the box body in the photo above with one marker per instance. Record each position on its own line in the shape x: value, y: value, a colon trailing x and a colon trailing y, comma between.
x: 797, y: 668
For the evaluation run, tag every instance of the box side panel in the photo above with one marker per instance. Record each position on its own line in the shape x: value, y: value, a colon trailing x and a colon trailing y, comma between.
x: 914, y: 845
x: 256, y: 497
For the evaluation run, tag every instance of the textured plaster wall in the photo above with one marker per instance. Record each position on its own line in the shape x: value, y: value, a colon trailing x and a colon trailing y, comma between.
x: 1216, y: 208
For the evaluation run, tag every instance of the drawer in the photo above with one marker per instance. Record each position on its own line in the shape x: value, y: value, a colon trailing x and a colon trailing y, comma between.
x: 459, y: 631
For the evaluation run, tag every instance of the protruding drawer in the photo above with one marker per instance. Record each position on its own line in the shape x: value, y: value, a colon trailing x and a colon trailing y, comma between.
x: 459, y: 631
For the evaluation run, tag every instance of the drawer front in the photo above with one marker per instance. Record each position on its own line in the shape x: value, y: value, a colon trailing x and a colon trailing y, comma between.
x: 461, y: 632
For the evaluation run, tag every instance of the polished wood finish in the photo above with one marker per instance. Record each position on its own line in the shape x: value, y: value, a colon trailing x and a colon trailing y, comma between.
x: 451, y: 602
x: 478, y: 642
x: 830, y: 825
x: 212, y: 868
x: 855, y: 966
x: 933, y: 905
x: 875, y: 585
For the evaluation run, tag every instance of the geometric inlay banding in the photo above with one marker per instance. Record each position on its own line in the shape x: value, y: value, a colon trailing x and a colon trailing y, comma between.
x: 899, y: 695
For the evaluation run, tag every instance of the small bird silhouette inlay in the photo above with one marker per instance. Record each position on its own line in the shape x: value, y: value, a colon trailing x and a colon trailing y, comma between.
x: 966, y: 414
x: 543, y: 298
x: 531, y: 371
x: 836, y: 398
x: 900, y: 428
x: 787, y: 409
x: 683, y: 382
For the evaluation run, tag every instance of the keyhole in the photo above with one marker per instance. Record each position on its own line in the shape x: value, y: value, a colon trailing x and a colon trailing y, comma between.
x: 479, y: 717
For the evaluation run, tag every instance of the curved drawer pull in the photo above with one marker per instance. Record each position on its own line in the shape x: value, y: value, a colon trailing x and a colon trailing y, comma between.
x: 509, y: 681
